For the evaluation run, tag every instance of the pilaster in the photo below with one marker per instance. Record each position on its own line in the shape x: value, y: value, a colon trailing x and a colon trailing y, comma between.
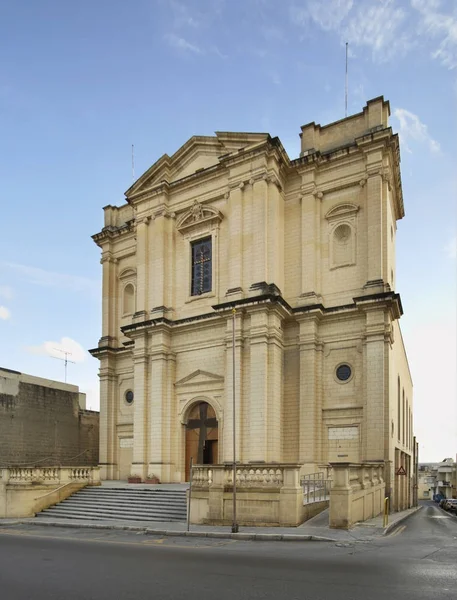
x: 311, y: 200
x: 162, y: 415
x: 259, y: 219
x: 227, y: 450
x: 108, y: 410
x: 258, y: 397
x: 235, y: 223
x: 374, y: 207
x: 310, y: 410
x: 140, y: 423
x: 266, y: 389
x: 142, y: 265
x: 374, y: 369
x: 275, y: 233
x: 109, y: 295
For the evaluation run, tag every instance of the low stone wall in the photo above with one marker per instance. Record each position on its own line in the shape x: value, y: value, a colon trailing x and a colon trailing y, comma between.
x: 24, y: 491
x: 357, y: 493
x: 266, y: 495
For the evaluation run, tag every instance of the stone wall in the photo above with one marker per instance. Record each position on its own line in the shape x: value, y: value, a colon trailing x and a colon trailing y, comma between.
x: 267, y: 495
x: 41, y: 423
x: 357, y: 493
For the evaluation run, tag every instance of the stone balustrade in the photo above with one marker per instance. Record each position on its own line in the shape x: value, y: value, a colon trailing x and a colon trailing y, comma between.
x: 247, y: 476
x: 49, y: 475
x: 26, y: 490
x: 202, y: 476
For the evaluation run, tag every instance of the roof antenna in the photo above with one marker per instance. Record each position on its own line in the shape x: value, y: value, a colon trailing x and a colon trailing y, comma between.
x: 133, y: 163
x: 346, y: 85
x: 66, y: 359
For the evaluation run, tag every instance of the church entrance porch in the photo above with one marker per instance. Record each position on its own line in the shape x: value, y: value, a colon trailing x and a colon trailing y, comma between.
x: 202, y: 436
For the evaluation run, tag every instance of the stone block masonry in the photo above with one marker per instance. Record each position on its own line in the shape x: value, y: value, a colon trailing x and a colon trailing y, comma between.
x: 41, y: 423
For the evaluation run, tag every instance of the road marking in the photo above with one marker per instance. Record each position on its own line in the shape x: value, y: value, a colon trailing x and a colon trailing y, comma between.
x: 398, y: 531
x: 440, y: 517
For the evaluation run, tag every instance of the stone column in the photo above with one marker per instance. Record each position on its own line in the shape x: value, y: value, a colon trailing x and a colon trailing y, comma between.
x: 108, y: 410
x: 142, y: 262
x: 140, y: 423
x: 374, y: 226
x: 258, y: 397
x: 374, y: 370
x: 227, y: 449
x: 310, y: 410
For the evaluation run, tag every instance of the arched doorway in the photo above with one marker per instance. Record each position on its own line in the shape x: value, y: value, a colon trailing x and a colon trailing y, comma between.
x: 202, y: 435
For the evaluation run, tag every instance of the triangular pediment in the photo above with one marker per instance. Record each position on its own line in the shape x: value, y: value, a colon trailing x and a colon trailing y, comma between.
x: 200, y: 377
x: 197, y: 154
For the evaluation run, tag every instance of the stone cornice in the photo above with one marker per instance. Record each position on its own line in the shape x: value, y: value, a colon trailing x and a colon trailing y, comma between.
x: 111, y: 232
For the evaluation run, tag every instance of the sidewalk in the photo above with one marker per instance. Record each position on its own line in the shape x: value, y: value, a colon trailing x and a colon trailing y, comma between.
x: 316, y: 529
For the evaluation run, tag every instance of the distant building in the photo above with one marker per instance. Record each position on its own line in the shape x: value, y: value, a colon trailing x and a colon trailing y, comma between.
x: 304, y: 250
x: 425, y: 482
x: 44, y: 422
x: 445, y: 479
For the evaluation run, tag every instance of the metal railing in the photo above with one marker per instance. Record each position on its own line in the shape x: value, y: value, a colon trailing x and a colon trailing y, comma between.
x: 315, y: 488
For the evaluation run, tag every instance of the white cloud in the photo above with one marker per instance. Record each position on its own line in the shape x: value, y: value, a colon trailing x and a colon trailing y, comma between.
x: 330, y: 14
x: 411, y: 129
x: 440, y: 26
x: 182, y: 16
x: 42, y: 277
x: 179, y: 43
x: 376, y: 24
x: 451, y: 248
x: 5, y: 314
x: 379, y: 27
x: 76, y: 352
x: 6, y: 292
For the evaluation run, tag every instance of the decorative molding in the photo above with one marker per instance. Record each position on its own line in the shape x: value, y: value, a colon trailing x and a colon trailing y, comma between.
x: 343, y: 210
x: 198, y: 214
x: 127, y: 273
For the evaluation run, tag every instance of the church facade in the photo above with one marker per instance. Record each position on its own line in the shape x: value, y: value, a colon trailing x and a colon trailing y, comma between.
x: 294, y: 260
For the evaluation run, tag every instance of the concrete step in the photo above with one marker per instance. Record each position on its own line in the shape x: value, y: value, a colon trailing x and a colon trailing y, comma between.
x: 101, y: 517
x: 130, y: 501
x: 78, y: 506
x: 148, y: 495
x: 114, y: 513
x: 121, y: 504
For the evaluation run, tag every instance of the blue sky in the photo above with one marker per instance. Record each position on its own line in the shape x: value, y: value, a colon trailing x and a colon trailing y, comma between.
x: 80, y: 82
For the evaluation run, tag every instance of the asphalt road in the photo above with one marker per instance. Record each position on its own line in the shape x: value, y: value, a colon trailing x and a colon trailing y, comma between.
x: 417, y: 561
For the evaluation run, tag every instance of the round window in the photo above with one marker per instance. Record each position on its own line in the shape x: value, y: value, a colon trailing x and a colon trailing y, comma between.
x: 343, y: 372
x: 129, y: 397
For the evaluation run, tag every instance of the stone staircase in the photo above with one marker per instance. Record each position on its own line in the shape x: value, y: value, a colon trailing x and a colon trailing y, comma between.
x: 122, y: 504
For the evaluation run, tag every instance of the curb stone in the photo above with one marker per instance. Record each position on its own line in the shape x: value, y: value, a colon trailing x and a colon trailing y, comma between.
x: 389, y: 528
x: 265, y: 537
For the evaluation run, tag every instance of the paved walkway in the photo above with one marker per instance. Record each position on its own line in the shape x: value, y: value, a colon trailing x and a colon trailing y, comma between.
x: 315, y: 529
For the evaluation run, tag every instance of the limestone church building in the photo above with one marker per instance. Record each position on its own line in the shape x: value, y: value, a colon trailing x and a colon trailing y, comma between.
x: 298, y: 256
